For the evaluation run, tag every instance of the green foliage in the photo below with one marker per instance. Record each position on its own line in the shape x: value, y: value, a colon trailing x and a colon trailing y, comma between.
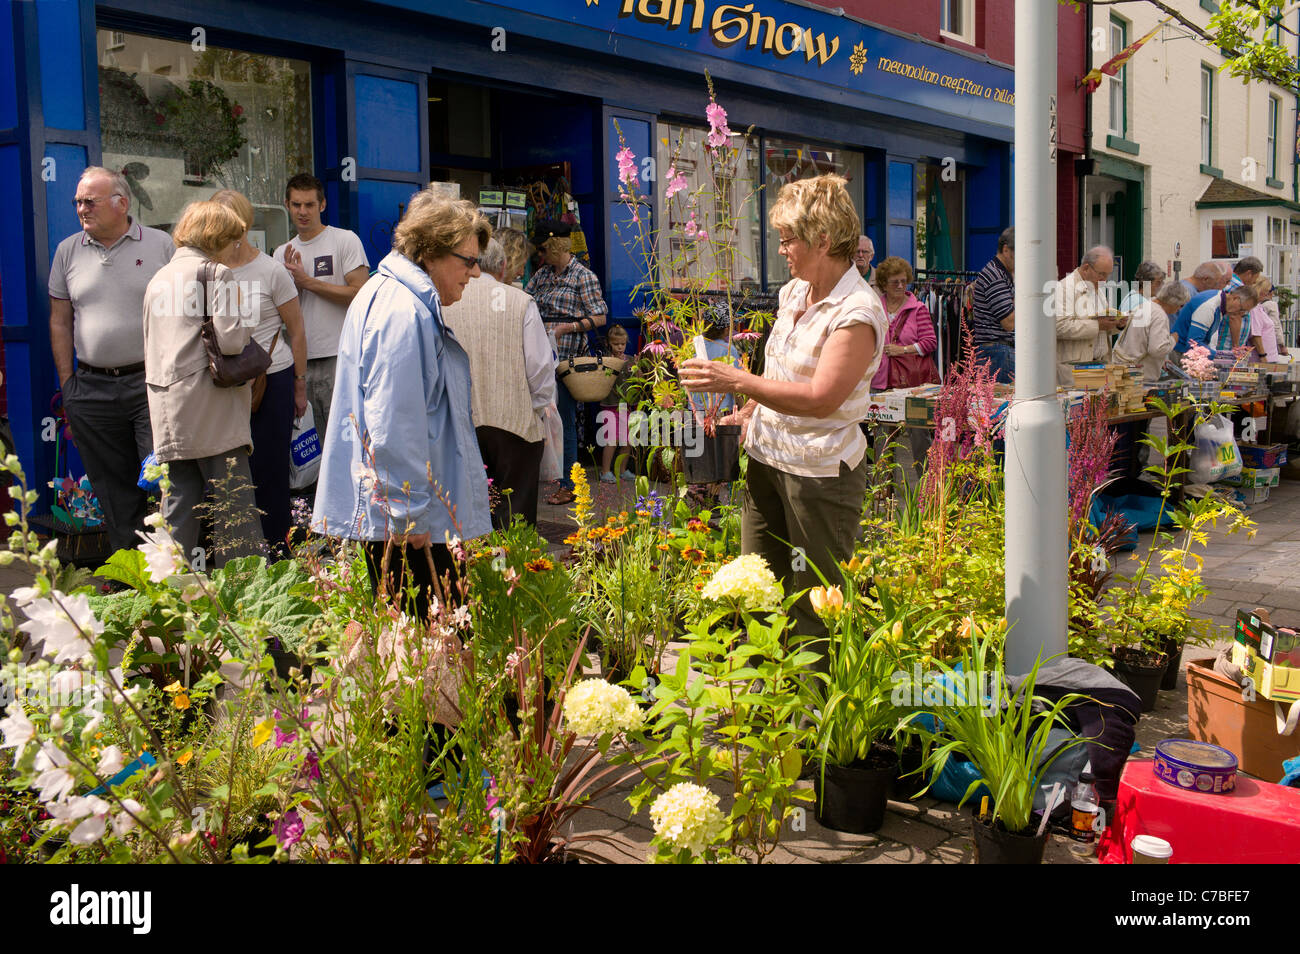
x: 1006, y: 734
x: 731, y: 710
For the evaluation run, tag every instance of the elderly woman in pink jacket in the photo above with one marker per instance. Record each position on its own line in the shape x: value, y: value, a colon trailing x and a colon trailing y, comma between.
x: 910, y: 343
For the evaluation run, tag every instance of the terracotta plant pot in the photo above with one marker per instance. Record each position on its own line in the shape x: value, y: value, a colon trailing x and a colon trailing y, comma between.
x: 1217, y: 714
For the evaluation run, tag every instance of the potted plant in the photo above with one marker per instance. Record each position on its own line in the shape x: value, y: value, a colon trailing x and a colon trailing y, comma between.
x: 1006, y: 734
x: 854, y: 707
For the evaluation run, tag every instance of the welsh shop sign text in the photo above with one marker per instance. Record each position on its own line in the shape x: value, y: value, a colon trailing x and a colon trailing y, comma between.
x: 731, y: 24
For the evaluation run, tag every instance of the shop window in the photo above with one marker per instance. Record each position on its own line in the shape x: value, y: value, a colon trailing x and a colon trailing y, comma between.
x: 182, y: 124
x: 957, y: 20
x: 788, y: 161
x: 940, y: 218
x: 1227, y: 235
x: 726, y: 207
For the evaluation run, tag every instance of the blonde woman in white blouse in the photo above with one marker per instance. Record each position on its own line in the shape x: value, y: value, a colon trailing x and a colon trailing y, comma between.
x: 808, y: 464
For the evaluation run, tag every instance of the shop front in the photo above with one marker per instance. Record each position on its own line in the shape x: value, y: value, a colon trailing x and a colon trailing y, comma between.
x: 380, y: 99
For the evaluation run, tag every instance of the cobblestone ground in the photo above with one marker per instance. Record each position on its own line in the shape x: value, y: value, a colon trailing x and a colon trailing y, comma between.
x: 1263, y: 572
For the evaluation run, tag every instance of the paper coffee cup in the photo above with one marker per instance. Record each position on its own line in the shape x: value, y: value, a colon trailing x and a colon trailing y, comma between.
x: 1150, y: 850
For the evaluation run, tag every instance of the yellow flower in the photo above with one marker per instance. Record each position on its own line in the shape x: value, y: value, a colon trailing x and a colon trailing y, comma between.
x: 181, y: 700
x: 174, y: 687
x: 185, y: 758
x: 581, y: 494
x: 262, y: 732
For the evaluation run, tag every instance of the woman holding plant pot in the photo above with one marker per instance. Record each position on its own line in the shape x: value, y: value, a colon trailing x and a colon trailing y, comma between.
x: 807, y: 456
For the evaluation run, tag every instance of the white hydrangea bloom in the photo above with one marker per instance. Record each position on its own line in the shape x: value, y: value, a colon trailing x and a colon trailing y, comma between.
x: 746, y: 582
x: 687, y: 816
x: 595, y: 707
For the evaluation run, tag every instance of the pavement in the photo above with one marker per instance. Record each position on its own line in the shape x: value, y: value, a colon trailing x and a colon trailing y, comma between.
x: 1241, y: 573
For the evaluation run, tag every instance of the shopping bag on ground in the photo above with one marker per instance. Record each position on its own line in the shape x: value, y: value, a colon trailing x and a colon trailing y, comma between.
x: 304, y: 451
x: 1216, y: 456
x: 553, y: 454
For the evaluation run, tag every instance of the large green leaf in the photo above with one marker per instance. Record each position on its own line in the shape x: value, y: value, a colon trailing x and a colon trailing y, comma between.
x: 248, y: 589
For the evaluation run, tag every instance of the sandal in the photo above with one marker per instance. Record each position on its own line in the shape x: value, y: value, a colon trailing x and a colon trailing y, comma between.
x: 560, y: 498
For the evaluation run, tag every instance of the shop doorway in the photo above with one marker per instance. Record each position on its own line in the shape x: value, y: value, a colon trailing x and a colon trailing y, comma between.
x: 484, y: 138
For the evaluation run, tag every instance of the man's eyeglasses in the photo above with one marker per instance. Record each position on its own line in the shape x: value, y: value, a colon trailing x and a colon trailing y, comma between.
x: 91, y: 203
x: 864, y: 254
x: 470, y: 262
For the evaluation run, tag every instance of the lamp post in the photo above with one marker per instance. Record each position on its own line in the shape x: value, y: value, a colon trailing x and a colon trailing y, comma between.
x: 1036, y: 586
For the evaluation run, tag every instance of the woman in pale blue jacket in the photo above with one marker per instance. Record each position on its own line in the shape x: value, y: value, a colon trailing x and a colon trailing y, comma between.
x: 401, y: 471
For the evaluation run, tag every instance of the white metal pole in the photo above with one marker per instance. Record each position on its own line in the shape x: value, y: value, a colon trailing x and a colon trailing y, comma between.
x: 1035, y: 443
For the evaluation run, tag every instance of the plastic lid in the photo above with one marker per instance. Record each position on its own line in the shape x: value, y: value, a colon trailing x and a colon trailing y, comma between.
x: 1151, y: 846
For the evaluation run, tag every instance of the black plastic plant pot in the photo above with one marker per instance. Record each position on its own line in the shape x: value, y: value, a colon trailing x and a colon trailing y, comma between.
x: 909, y: 779
x: 852, y: 798
x: 1174, y: 650
x: 1142, y: 676
x: 994, y: 845
x: 711, y: 459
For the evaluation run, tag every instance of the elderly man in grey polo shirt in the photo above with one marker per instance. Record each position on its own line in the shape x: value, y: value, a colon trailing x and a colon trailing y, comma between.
x: 97, y: 284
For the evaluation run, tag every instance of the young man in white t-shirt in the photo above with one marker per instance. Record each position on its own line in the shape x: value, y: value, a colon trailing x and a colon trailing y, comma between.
x: 329, y: 267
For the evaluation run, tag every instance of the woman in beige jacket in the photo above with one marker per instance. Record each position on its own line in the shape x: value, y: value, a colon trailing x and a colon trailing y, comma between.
x: 201, y: 431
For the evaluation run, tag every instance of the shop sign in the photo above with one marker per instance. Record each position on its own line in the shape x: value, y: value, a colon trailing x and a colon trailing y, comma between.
x: 796, y: 40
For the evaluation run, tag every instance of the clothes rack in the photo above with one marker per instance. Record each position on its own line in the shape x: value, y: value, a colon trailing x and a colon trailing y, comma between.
x: 947, y: 295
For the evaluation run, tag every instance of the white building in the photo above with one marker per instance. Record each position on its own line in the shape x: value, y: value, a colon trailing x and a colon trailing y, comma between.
x: 1190, y: 163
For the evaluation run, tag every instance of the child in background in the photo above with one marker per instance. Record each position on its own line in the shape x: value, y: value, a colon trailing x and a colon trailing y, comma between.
x: 613, y: 412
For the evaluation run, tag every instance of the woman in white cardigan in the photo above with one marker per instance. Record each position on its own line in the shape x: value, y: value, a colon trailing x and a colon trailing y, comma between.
x: 201, y: 431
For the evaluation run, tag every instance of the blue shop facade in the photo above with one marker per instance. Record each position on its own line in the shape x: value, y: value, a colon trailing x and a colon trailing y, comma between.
x: 380, y: 99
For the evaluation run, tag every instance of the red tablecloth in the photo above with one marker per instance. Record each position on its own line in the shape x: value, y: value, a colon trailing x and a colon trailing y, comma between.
x: 1256, y: 823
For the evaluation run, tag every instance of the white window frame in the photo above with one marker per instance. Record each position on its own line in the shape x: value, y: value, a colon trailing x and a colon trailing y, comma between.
x: 1119, y: 82
x: 1207, y: 117
x: 965, y: 10
x: 1274, y: 121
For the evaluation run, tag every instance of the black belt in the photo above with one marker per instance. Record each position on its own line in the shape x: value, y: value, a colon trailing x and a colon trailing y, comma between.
x: 112, y: 372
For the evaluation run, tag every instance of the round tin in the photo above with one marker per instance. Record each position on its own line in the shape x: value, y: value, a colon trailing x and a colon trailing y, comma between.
x: 1195, y: 766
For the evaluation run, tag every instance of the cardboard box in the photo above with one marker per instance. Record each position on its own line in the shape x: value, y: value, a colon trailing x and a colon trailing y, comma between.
x: 888, y: 407
x: 1269, y: 655
x: 1250, y: 496
x: 1262, y: 455
x: 920, y: 410
x: 1257, y: 477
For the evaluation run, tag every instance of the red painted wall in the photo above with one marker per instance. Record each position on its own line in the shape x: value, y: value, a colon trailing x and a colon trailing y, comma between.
x: 993, y: 22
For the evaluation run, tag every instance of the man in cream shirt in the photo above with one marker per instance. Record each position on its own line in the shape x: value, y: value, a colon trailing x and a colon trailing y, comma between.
x: 1080, y: 309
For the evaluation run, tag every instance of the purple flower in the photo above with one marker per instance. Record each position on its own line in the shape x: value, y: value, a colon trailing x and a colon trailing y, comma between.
x: 289, y: 829
x: 311, y: 768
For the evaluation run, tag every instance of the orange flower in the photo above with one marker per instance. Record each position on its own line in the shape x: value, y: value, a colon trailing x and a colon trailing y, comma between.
x: 696, y: 525
x: 541, y: 564
x: 573, y: 539
x: 185, y: 758
x: 617, y: 532
x: 181, y: 700
x: 663, y: 546
x: 694, y: 554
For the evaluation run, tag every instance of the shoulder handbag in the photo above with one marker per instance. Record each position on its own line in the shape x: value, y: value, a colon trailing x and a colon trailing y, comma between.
x: 909, y: 370
x: 259, y: 382
x: 228, y: 370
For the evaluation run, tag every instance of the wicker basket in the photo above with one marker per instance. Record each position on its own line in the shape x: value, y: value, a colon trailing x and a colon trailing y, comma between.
x: 589, y: 379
